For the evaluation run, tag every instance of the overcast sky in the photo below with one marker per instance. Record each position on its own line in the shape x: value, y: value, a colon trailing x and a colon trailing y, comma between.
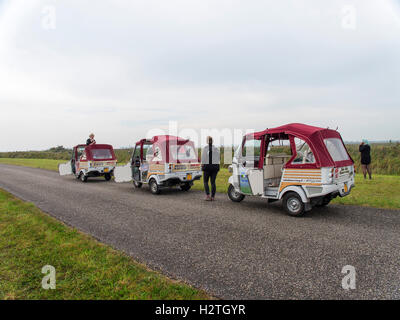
x: 120, y: 68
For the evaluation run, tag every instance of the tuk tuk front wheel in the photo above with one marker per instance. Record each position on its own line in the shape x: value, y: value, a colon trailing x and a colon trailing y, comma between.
x: 185, y: 187
x: 154, y: 188
x: 234, y: 195
x: 83, y: 177
x: 293, y: 204
x: 137, y: 185
x: 107, y: 176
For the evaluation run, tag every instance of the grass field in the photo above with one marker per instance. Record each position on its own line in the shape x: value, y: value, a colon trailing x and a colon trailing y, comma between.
x: 47, y: 164
x: 381, y: 192
x: 85, y: 268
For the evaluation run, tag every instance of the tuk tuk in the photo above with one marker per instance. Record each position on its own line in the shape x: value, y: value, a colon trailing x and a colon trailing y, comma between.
x: 162, y: 162
x: 90, y: 161
x: 315, y: 169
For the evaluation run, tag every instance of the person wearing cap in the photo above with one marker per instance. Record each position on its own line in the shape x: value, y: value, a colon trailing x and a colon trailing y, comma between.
x: 365, y: 151
x: 91, y: 140
x: 210, y: 160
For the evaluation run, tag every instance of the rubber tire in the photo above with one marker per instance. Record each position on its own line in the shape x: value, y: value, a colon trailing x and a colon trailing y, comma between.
x: 83, y: 177
x: 185, y: 187
x: 287, y: 199
x: 154, y: 188
x: 232, y: 192
x: 107, y: 176
x: 137, y: 185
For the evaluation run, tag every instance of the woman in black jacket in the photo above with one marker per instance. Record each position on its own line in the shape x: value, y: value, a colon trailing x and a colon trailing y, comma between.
x: 365, y: 150
x: 210, y: 160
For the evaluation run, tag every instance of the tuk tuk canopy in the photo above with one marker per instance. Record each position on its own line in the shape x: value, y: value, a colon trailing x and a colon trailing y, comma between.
x: 317, y: 138
x: 167, y: 145
x: 98, y: 152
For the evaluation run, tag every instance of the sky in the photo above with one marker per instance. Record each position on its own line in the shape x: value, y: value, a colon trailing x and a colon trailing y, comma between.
x: 124, y: 68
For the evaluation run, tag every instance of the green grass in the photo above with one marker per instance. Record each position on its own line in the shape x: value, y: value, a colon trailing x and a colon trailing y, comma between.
x: 47, y: 164
x: 382, y: 192
x: 85, y: 268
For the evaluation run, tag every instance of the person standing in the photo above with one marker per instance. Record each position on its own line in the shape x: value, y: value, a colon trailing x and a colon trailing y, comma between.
x: 365, y: 150
x: 210, y: 160
x: 91, y: 140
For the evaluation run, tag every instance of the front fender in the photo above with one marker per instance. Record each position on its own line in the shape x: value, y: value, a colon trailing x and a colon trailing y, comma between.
x: 155, y: 177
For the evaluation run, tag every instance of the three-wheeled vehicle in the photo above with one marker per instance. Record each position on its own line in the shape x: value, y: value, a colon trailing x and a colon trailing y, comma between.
x: 163, y: 161
x: 316, y: 168
x: 90, y: 161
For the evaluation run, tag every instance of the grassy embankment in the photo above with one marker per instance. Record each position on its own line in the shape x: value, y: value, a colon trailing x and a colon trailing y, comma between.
x: 381, y: 192
x: 85, y: 268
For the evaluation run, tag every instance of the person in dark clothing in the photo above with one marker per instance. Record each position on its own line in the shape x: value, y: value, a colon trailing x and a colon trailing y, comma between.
x: 365, y: 150
x: 210, y: 160
x: 91, y: 140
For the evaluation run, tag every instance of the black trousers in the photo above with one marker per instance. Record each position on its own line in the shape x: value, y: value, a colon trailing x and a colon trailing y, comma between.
x: 210, y: 174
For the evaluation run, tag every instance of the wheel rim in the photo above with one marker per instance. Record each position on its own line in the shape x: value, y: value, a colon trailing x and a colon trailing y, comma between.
x: 154, y: 187
x: 294, y: 204
x: 235, y: 194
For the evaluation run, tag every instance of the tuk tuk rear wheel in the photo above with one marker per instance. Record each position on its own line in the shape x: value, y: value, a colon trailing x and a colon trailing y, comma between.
x: 83, y: 177
x: 107, y: 176
x: 154, y: 188
x: 137, y: 185
x: 234, y: 195
x: 185, y: 187
x: 293, y: 204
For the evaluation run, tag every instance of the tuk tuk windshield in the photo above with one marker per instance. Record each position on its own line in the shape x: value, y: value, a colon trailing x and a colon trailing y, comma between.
x: 101, y: 154
x: 183, y: 152
x: 336, y: 149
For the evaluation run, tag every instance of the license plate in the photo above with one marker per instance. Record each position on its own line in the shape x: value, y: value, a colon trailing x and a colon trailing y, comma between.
x: 346, y: 189
x: 189, y: 177
x: 106, y: 170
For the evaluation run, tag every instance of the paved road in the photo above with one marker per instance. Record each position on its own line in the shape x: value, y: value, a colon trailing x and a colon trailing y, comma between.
x: 250, y: 250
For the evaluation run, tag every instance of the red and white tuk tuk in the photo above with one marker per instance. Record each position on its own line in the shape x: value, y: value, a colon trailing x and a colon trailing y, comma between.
x: 163, y: 161
x: 316, y: 169
x: 90, y: 161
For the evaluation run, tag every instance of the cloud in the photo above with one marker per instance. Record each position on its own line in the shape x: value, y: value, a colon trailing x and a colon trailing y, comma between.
x: 120, y: 68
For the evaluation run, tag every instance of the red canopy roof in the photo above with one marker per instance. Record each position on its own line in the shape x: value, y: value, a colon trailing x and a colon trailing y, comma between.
x: 296, y: 129
x: 314, y: 136
x: 164, y: 138
x: 164, y: 141
x: 95, y: 146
